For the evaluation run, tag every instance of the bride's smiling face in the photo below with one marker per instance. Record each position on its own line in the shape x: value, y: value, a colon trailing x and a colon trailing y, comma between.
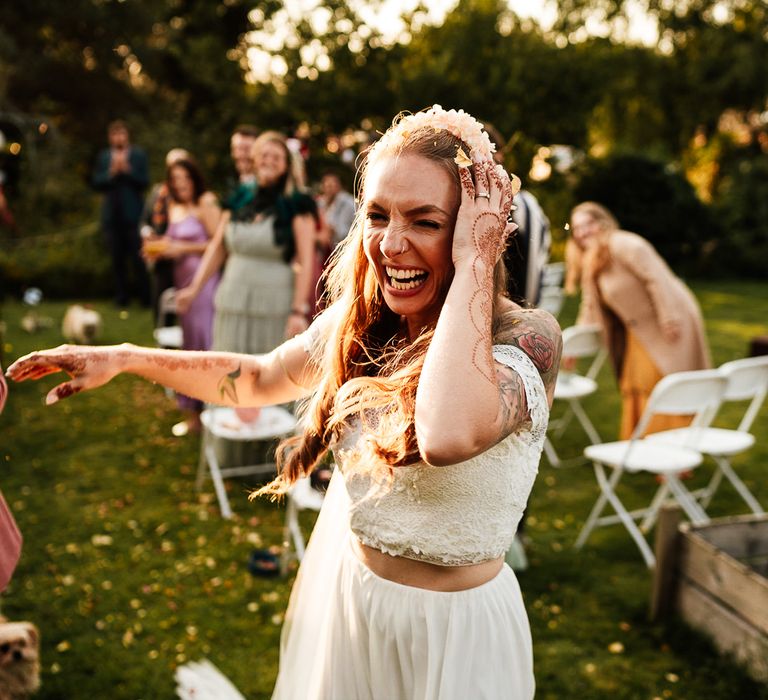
x: 410, y: 205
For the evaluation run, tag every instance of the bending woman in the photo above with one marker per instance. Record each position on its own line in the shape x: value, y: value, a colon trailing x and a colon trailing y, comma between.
x: 432, y: 389
x: 650, y: 319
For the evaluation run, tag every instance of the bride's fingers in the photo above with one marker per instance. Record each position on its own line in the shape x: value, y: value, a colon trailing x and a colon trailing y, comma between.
x: 31, y: 367
x: 504, y: 187
x: 62, y: 391
x: 35, y: 372
x: 467, y: 186
x: 482, y: 182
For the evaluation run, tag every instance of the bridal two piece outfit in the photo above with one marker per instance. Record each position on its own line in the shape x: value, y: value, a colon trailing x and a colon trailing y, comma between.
x: 352, y: 635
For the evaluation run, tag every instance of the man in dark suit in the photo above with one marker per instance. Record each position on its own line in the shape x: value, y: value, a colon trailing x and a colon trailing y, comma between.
x: 122, y: 174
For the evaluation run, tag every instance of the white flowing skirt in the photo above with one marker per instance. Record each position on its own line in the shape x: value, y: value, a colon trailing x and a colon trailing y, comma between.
x: 352, y: 635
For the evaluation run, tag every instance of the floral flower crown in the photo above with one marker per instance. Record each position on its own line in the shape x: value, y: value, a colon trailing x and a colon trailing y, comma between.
x: 462, y: 125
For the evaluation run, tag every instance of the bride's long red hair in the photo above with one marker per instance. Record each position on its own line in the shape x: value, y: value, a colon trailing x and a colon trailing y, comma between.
x: 368, y: 369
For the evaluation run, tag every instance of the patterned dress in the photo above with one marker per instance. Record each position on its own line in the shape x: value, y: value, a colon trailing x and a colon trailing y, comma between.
x: 197, y: 323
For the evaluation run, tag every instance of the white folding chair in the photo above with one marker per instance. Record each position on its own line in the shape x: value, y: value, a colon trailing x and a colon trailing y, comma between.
x: 551, y: 295
x: 273, y: 423
x: 747, y: 380
x: 697, y: 393
x: 300, y: 497
x: 167, y: 336
x: 551, y: 299
x: 578, y: 342
x: 553, y: 274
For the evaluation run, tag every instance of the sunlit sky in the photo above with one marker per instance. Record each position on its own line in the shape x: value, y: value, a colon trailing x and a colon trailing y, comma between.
x: 264, y: 57
x: 386, y: 17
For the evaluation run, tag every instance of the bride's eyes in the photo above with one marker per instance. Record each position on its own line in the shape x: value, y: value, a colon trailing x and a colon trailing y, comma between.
x: 375, y: 217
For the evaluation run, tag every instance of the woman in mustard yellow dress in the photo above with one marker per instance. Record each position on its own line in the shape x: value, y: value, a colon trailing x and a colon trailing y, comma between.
x: 651, y: 321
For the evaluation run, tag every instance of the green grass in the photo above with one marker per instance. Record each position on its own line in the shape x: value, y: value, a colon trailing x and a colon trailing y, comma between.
x: 129, y: 572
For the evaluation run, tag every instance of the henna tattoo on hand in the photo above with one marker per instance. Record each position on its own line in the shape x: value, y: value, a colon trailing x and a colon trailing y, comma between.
x: 488, y: 235
x: 466, y: 182
x: 66, y: 390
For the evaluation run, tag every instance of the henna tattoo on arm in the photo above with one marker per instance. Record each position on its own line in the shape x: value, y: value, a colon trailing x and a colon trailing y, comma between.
x: 487, y: 231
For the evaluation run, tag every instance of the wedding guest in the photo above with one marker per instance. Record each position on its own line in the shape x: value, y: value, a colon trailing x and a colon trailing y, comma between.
x: 154, y: 219
x: 432, y: 389
x: 193, y: 216
x: 121, y: 173
x: 650, y: 319
x: 243, y: 189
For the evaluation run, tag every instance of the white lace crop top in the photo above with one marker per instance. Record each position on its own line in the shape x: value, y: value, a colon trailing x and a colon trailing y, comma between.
x: 460, y: 514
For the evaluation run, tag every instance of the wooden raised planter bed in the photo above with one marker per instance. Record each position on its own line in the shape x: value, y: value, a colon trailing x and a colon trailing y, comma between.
x: 715, y: 577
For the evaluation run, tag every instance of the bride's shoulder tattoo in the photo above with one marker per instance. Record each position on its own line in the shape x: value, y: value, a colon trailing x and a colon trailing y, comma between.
x: 538, y: 335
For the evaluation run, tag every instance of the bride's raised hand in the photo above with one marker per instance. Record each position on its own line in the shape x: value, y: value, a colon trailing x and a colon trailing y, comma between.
x: 88, y: 368
x: 482, y: 230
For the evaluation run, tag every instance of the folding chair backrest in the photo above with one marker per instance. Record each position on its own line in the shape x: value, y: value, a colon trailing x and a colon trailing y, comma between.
x: 585, y: 341
x: 747, y: 379
x: 553, y: 275
x: 698, y: 393
x: 551, y: 300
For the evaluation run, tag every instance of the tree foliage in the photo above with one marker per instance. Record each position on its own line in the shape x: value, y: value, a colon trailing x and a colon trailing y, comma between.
x: 181, y: 71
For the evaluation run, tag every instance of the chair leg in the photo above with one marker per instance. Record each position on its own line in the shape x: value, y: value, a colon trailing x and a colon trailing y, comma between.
x: 597, y: 509
x: 582, y: 417
x: 705, y: 495
x: 202, y: 462
x: 293, y: 527
x: 739, y: 485
x: 607, y: 487
x: 218, y: 482
x: 549, y: 450
x: 686, y: 500
x: 653, y: 509
x: 563, y: 422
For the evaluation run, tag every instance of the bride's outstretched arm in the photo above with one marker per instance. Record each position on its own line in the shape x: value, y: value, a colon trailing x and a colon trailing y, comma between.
x: 223, y: 378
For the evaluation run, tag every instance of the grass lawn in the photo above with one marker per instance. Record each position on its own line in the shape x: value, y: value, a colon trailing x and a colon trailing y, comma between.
x: 129, y: 572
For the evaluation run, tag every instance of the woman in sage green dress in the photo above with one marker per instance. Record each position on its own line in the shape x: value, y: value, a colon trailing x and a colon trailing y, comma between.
x: 267, y: 250
x: 268, y: 247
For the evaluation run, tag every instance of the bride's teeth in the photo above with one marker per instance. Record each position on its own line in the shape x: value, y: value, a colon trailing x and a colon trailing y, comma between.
x: 396, y: 284
x: 402, y: 274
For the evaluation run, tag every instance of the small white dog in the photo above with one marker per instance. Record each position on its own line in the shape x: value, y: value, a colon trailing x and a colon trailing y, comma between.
x: 81, y: 324
x: 19, y: 660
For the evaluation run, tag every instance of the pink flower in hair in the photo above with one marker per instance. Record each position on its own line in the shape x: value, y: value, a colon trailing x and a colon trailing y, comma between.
x: 462, y: 125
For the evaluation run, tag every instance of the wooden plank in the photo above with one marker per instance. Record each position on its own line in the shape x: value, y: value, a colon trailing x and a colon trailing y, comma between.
x: 730, y: 634
x: 666, y: 551
x: 742, y: 536
x: 726, y: 579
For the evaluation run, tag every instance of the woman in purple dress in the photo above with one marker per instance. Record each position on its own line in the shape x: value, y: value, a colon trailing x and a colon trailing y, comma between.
x: 193, y: 215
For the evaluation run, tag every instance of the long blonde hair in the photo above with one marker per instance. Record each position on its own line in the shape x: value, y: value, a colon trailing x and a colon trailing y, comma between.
x: 368, y: 369
x: 294, y: 177
x: 585, y: 265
